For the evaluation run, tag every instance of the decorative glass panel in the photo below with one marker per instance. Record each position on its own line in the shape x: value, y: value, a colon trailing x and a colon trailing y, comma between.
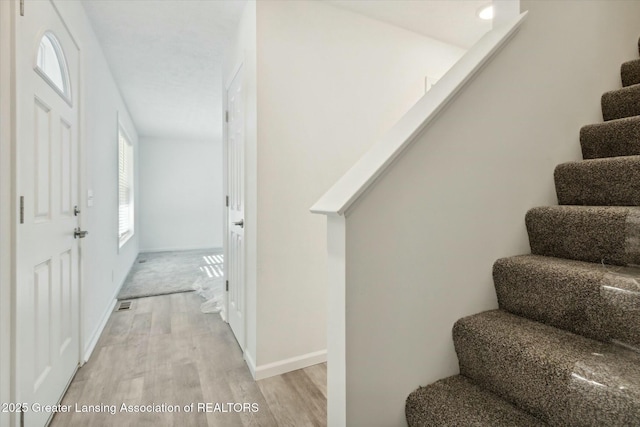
x: 51, y: 64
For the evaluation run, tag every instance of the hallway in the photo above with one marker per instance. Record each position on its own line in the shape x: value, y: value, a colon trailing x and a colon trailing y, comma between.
x: 165, y: 351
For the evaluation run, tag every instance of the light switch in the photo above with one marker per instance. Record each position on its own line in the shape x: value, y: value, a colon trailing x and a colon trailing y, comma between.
x: 89, y: 198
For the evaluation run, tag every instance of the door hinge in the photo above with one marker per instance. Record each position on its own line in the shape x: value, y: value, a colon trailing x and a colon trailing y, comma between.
x: 226, y: 116
x: 227, y: 200
x: 227, y: 285
x: 21, y: 7
x: 21, y: 209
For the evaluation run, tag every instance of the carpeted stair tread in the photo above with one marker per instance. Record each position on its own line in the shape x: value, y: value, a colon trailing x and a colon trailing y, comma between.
x: 612, y: 181
x: 457, y: 401
x: 621, y: 103
x: 630, y: 72
x: 614, y: 138
x: 594, y: 300
x: 586, y: 233
x: 562, y: 378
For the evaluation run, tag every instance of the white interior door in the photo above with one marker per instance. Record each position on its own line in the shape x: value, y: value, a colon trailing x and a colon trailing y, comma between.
x: 235, y: 190
x: 47, y: 282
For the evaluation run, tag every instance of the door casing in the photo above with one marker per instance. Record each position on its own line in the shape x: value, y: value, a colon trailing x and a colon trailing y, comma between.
x: 7, y: 206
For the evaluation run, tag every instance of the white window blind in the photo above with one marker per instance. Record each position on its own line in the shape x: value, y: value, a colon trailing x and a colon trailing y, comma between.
x: 125, y: 188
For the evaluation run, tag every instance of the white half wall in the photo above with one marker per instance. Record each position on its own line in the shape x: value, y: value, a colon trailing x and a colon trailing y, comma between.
x: 421, y: 243
x: 330, y: 82
x: 181, y: 197
x: 104, y: 265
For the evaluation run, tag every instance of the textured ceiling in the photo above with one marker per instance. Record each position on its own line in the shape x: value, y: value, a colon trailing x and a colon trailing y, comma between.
x: 166, y: 57
x: 450, y: 21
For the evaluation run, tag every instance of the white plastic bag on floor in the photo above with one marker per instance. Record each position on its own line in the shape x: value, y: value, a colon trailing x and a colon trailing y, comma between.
x: 211, y: 290
x: 211, y: 306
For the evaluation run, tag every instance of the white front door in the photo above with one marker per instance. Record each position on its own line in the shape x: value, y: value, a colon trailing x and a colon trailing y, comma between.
x: 235, y: 190
x: 47, y: 271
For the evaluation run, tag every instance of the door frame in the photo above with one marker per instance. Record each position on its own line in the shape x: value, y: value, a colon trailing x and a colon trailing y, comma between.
x: 225, y: 184
x: 7, y: 205
x: 8, y: 198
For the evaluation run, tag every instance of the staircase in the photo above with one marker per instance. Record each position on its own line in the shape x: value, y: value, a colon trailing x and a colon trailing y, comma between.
x: 564, y: 347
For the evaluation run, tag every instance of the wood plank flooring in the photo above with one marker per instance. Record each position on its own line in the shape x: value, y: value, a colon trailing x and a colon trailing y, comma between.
x: 165, y: 351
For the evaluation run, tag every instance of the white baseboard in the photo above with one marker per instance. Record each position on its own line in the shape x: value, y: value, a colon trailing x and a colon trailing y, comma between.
x: 98, y: 331
x: 175, y: 249
x: 250, y: 363
x: 283, y: 366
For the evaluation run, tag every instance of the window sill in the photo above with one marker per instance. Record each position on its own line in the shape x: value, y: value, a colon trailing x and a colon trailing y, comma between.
x: 124, y: 239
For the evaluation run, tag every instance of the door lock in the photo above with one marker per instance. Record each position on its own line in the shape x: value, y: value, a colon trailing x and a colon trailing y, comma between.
x: 239, y: 223
x: 76, y: 211
x: 79, y: 234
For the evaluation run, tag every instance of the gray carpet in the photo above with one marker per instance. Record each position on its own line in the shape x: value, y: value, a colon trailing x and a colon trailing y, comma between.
x: 161, y: 273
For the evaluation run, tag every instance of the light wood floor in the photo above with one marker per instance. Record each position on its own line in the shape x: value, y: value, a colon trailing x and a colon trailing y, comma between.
x: 165, y: 351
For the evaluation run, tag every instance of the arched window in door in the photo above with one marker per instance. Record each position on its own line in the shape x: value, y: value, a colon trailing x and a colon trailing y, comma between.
x: 52, y: 65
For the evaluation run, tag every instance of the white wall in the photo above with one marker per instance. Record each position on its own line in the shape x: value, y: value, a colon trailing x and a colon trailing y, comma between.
x: 330, y: 82
x: 105, y: 267
x: 181, y: 197
x: 421, y: 243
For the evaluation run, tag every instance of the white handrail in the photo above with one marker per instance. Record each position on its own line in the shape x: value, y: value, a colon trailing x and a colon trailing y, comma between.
x: 369, y: 167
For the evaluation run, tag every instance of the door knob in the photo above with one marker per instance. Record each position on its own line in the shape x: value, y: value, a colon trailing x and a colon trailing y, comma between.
x: 239, y: 223
x: 79, y: 234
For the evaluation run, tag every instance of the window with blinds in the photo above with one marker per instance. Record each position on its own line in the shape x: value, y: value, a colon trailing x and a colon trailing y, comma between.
x: 125, y: 187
